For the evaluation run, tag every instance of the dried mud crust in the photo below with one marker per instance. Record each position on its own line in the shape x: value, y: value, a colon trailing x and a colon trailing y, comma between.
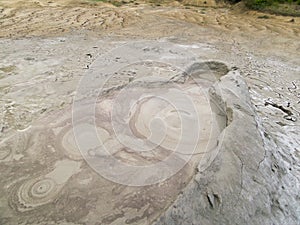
x: 41, y: 18
x: 44, y: 18
x: 38, y: 76
x: 46, y: 180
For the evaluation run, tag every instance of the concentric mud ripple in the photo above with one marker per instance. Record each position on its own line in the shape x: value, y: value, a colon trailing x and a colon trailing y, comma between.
x: 13, y: 147
x: 69, y: 145
x: 63, y: 177
x: 33, y: 193
x: 28, y: 194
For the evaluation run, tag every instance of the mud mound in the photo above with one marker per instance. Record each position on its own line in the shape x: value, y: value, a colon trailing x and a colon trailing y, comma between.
x: 44, y: 165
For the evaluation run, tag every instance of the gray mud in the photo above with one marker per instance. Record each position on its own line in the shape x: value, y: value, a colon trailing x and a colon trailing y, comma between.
x: 250, y: 176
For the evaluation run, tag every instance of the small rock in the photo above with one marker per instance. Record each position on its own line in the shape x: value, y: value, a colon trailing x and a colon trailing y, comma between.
x: 292, y: 20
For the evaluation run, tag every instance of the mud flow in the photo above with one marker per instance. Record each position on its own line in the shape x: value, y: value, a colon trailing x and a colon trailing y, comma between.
x: 148, y: 112
x: 140, y: 125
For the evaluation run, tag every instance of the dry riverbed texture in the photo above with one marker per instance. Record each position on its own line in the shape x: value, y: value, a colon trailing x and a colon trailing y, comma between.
x: 240, y: 69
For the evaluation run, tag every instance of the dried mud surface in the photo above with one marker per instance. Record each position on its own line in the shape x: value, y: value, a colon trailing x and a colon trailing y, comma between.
x: 47, y: 47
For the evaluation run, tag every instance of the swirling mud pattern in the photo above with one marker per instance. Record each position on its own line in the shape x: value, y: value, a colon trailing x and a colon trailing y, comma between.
x: 141, y: 123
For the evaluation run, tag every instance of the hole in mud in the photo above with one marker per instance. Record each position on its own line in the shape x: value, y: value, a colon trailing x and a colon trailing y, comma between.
x: 211, y: 70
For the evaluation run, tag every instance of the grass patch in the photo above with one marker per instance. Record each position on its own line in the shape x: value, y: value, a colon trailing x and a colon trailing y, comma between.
x: 281, y: 7
x: 113, y: 2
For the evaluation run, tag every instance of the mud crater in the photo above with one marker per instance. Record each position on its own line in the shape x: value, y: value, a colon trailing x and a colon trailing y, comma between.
x: 44, y: 165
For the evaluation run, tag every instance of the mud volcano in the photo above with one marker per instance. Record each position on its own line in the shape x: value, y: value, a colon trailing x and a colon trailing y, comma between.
x: 71, y: 169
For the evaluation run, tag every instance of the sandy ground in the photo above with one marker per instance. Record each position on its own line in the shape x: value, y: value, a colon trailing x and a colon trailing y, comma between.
x: 45, y: 49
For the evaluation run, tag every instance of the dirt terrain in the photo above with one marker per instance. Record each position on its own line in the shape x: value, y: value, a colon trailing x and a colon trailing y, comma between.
x: 249, y: 175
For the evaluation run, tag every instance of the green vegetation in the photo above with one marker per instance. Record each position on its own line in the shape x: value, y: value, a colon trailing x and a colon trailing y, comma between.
x: 113, y: 2
x: 282, y: 7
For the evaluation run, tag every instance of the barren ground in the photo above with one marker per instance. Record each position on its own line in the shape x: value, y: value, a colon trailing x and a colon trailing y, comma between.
x: 46, y: 47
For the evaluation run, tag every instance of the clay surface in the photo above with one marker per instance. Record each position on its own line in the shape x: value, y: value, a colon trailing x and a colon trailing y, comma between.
x: 243, y: 79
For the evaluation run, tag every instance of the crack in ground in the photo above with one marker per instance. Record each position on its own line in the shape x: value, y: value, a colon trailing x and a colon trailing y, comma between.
x: 287, y: 111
